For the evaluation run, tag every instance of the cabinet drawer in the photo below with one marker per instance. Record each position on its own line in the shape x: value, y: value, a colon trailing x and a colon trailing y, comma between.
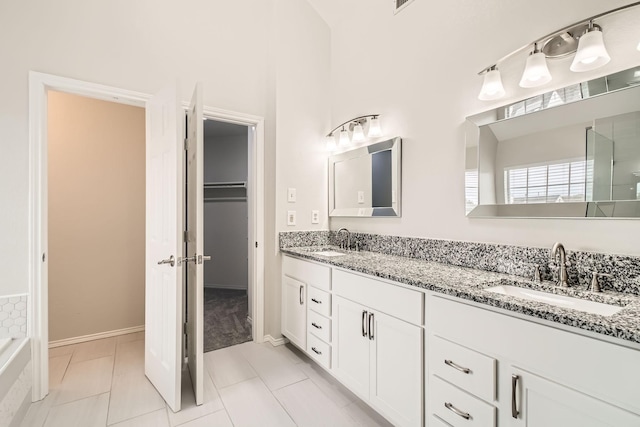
x: 396, y: 301
x: 454, y: 405
x: 319, y: 326
x: 307, y: 272
x: 468, y: 369
x: 434, y: 421
x: 319, y: 350
x: 319, y: 301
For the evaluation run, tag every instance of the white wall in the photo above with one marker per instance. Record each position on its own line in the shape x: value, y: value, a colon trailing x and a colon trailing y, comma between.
x: 302, y: 119
x: 246, y: 52
x: 96, y: 211
x: 418, y: 69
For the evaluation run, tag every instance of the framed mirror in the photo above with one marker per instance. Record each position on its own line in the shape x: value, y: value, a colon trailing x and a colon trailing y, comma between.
x: 365, y: 182
x: 573, y: 152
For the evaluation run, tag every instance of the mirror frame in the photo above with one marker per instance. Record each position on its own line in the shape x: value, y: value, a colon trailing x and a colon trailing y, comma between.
x: 584, y: 209
x: 394, y: 145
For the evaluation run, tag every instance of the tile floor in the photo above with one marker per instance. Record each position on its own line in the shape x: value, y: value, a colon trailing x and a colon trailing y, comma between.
x: 102, y: 383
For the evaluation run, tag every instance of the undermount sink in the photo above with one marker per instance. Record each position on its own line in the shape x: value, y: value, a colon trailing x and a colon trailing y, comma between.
x: 558, y: 300
x: 329, y: 253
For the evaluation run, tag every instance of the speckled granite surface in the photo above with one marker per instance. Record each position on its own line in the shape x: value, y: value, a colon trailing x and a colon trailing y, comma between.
x: 471, y: 284
x: 516, y: 260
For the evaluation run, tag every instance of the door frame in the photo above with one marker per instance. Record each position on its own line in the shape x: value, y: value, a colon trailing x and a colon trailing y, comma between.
x: 38, y: 313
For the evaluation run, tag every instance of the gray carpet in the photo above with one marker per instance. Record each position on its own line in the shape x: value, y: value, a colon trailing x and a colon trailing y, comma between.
x: 225, y: 318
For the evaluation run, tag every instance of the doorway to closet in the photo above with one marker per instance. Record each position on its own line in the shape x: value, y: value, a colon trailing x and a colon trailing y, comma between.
x: 227, y: 288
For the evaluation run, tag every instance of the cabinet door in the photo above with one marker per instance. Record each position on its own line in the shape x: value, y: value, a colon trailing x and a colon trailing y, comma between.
x: 351, y: 345
x: 294, y: 311
x: 543, y: 403
x: 396, y: 369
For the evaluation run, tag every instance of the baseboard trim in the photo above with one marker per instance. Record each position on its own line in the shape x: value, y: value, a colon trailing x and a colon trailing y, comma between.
x: 91, y: 337
x: 275, y: 341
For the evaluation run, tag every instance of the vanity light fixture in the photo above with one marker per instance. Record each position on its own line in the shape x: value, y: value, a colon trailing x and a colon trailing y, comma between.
x: 591, y: 52
x: 584, y: 38
x: 536, y: 73
x: 331, y: 143
x: 374, y: 127
x: 358, y: 133
x: 356, y: 127
x: 492, y: 86
x: 344, y: 137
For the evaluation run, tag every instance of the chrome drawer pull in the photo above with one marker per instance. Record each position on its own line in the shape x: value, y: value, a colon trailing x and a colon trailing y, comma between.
x: 364, y: 323
x: 457, y: 411
x: 456, y: 366
x: 514, y: 404
x: 316, y: 351
x: 300, y: 296
x: 316, y: 301
x: 316, y: 326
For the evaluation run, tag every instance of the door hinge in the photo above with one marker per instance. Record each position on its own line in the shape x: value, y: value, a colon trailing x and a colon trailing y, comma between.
x: 184, y: 328
x: 186, y: 144
x: 186, y: 236
x: 256, y: 244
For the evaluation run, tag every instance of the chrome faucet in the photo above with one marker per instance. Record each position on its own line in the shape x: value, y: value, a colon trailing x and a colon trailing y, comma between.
x: 562, y: 269
x: 342, y: 245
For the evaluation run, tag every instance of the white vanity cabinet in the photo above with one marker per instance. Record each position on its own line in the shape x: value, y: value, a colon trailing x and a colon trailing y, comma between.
x: 294, y: 311
x: 378, y: 344
x: 306, y: 307
x: 491, y: 369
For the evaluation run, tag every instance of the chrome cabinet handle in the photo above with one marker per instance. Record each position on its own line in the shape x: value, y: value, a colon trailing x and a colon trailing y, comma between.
x: 301, y: 299
x: 370, y: 326
x: 457, y: 411
x: 316, y: 326
x: 514, y: 404
x: 171, y: 261
x: 316, y: 301
x: 456, y: 366
x: 316, y: 351
x: 364, y: 323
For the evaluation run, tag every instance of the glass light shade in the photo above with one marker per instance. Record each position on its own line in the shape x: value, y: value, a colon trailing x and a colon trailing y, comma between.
x: 374, y: 127
x: 591, y: 52
x: 492, y: 86
x: 331, y: 143
x: 358, y: 133
x: 344, y: 138
x: 536, y: 73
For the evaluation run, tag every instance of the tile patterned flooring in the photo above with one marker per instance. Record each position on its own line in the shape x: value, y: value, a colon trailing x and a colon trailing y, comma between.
x: 102, y: 383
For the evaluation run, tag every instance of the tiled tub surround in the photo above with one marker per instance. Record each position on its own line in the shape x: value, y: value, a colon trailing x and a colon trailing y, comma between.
x: 13, y: 316
x: 471, y: 283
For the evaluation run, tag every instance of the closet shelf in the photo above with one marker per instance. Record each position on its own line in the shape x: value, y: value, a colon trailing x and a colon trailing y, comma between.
x: 232, y: 184
x: 225, y: 199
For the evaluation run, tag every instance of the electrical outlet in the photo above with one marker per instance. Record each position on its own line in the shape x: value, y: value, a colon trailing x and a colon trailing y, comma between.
x: 291, y: 217
x: 360, y: 196
x: 291, y: 195
x: 315, y: 217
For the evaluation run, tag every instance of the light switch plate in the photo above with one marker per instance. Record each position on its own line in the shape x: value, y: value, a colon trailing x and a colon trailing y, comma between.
x: 291, y: 217
x: 291, y: 195
x: 360, y: 196
x: 315, y: 217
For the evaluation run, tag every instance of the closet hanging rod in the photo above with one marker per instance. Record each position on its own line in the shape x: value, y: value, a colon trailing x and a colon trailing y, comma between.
x: 232, y: 184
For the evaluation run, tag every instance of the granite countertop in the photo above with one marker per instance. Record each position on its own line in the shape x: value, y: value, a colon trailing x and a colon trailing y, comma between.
x: 471, y: 284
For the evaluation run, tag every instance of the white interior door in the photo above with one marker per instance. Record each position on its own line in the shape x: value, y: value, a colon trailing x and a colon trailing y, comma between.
x: 195, y: 238
x: 163, y: 288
